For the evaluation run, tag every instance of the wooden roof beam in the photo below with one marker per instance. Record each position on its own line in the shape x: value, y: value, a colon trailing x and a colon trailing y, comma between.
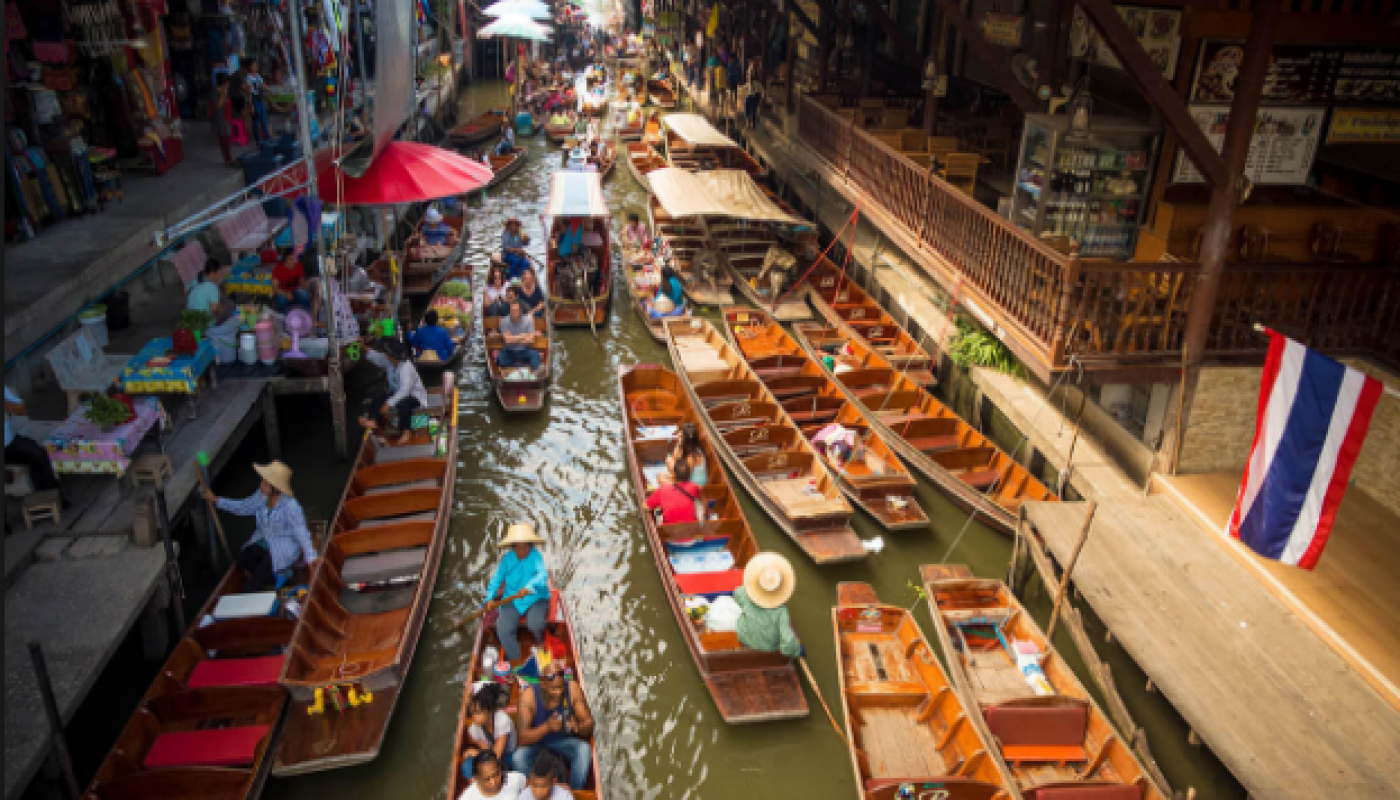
x: 997, y: 63
x: 1159, y: 93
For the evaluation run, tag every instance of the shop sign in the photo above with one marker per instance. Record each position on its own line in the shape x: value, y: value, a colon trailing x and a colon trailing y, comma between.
x: 1364, y: 126
x: 1158, y: 30
x: 1003, y: 29
x: 1301, y: 74
x: 1280, y: 152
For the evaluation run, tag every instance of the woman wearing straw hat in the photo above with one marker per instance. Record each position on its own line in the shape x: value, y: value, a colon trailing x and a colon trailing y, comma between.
x: 763, y: 624
x: 281, y: 538
x: 521, y: 572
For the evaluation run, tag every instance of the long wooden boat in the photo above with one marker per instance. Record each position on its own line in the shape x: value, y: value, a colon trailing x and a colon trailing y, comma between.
x: 428, y: 264
x: 502, y: 167
x: 693, y: 144
x: 905, y: 723
x: 744, y: 248
x: 558, y: 134
x: 1055, y: 741
x: 844, y: 303
x: 642, y: 279
x: 874, y: 478
x: 481, y: 128
x: 626, y: 132
x: 661, y: 94
x: 455, y: 311
x: 369, y: 596
x: 966, y: 465
x: 747, y: 685
x: 761, y: 444
x: 520, y: 394
x: 683, y: 241
x: 576, y: 204
x: 558, y: 626
x: 642, y: 159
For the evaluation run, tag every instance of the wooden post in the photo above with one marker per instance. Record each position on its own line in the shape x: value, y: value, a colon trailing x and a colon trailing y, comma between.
x: 1013, y: 570
x: 57, y: 740
x: 270, y: 426
x: 1058, y: 339
x: 1069, y: 568
x: 1181, y: 408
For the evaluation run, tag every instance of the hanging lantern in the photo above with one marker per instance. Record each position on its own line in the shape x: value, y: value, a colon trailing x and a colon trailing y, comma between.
x: 1081, y: 106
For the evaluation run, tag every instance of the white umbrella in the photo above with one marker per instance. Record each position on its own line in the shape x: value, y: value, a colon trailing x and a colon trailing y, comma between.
x: 533, y: 9
x: 514, y: 26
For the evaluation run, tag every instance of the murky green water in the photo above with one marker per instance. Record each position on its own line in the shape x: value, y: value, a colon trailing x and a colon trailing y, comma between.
x: 565, y: 470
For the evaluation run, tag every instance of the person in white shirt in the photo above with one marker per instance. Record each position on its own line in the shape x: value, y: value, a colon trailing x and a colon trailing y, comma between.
x: 406, y: 390
x: 544, y: 782
x: 491, y: 780
x: 490, y: 730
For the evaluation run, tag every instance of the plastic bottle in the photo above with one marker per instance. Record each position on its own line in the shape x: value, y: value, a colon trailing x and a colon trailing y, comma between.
x: 1029, y: 665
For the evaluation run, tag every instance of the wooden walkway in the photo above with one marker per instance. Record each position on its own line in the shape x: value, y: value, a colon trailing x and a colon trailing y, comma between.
x: 1280, y: 708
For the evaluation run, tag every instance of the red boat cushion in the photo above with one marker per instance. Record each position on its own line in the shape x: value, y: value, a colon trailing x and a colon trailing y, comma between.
x: 711, y: 584
x: 1087, y: 792
x: 220, y: 747
x: 1039, y: 725
x: 262, y: 671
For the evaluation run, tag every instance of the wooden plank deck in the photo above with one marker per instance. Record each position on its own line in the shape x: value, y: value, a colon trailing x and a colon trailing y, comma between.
x: 1278, y: 706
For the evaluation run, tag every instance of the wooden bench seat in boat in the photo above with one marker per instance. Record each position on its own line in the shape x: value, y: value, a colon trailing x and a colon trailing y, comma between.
x: 261, y: 671
x: 728, y: 391
x: 957, y: 788
x: 792, y: 496
x: 413, y: 473
x: 1084, y: 791
x: 1040, y: 729
x: 779, y: 465
x: 202, y: 782
x: 760, y: 439
x: 405, y: 505
x: 394, y: 453
x: 378, y: 567
x: 215, y: 747
x: 743, y: 414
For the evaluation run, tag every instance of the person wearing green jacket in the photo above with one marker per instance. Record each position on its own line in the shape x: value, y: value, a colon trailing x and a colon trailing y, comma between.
x: 764, y: 623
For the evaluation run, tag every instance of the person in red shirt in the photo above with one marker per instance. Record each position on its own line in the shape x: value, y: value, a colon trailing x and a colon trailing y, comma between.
x: 288, y: 279
x: 676, y: 498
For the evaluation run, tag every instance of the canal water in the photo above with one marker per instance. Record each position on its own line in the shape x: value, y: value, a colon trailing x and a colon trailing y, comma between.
x: 565, y: 471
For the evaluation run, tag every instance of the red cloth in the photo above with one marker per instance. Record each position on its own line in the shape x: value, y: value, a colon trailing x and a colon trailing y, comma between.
x: 261, y: 671
x: 676, y: 501
x: 218, y: 747
x: 287, y: 278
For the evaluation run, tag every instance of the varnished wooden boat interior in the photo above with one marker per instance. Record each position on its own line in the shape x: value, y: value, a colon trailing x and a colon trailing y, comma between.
x: 874, y: 478
x: 842, y: 302
x: 1049, y: 741
x: 789, y: 481
x: 573, y: 306
x: 661, y: 94
x: 478, y: 129
x: 557, y: 625
x: 905, y: 722
x: 695, y: 158
x: 457, y: 328
x: 519, y: 395
x: 642, y: 160
x: 502, y: 167
x: 746, y: 685
x: 973, y: 471
x: 427, y: 264
x: 685, y: 240
x: 369, y: 596
x: 632, y: 265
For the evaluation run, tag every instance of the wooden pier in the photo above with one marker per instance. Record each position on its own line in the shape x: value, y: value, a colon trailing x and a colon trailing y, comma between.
x: 1280, y: 709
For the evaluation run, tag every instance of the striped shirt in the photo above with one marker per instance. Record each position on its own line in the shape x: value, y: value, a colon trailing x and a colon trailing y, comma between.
x: 282, y: 528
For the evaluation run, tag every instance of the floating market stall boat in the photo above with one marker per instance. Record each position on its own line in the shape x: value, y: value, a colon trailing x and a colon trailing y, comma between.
x: 578, y: 264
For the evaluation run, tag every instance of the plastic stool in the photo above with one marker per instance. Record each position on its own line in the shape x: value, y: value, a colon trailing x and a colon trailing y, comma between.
x: 152, y: 467
x: 40, y: 506
x: 239, y: 133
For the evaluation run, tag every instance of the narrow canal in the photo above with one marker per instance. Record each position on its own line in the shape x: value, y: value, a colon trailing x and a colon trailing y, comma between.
x: 565, y: 470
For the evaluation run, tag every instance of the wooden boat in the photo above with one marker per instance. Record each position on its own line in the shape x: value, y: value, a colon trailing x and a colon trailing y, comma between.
x: 369, y: 596
x: 455, y: 313
x: 1060, y: 740
x: 761, y: 444
x: 966, y: 465
x: 576, y: 204
x: 481, y: 128
x: 428, y: 264
x: 630, y: 133
x: 874, y: 478
x: 520, y: 395
x: 652, y: 135
x: 747, y: 685
x: 557, y: 625
x: 843, y: 302
x: 683, y: 242
x: 642, y: 159
x: 661, y: 94
x: 693, y: 144
x: 557, y: 134
x: 905, y: 723
x: 502, y: 167
x: 642, y: 279
x: 744, y: 249
x: 594, y: 104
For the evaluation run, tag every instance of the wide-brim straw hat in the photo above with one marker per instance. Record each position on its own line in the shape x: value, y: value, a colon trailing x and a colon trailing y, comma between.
x: 277, y: 474
x: 769, y: 580
x: 520, y: 533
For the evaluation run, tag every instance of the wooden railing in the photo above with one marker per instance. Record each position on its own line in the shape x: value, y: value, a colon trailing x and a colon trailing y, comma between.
x: 1103, y: 313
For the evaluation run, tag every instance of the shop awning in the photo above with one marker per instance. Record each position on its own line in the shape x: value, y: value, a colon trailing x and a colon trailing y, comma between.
x: 697, y: 130
x: 576, y: 194
x: 715, y: 193
x: 403, y: 172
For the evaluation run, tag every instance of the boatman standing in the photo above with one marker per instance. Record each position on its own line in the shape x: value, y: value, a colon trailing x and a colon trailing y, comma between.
x: 282, y: 538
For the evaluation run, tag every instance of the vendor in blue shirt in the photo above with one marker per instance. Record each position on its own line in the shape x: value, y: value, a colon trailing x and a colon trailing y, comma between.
x: 513, y: 243
x: 432, y: 337
x: 521, y: 572
x: 435, y: 231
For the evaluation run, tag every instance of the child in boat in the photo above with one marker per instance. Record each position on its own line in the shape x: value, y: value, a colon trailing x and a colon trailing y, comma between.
x: 546, y: 781
x: 690, y: 452
x: 491, y: 780
x: 490, y: 730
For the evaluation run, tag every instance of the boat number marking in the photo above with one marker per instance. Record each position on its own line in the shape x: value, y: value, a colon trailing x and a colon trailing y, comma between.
x: 843, y: 297
x: 741, y: 410
x: 877, y: 331
x: 827, y: 283
x: 778, y: 461
x: 857, y: 313
x: 758, y: 435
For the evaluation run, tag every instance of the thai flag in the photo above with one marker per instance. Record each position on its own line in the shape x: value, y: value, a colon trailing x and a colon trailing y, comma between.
x: 1313, y: 416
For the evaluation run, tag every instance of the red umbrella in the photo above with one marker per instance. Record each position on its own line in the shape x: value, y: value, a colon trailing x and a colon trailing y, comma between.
x: 404, y: 172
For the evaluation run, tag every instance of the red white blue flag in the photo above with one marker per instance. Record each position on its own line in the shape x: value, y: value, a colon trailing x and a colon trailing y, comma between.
x: 1313, y: 416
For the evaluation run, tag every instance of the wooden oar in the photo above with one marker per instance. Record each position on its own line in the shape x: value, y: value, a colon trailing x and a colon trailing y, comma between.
x: 818, y: 692
x: 489, y: 606
x: 199, y: 463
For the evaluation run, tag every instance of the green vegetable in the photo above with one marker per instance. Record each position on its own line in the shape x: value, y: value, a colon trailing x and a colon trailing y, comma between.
x: 974, y: 347
x: 194, y: 320
x: 460, y: 289
x: 103, y: 410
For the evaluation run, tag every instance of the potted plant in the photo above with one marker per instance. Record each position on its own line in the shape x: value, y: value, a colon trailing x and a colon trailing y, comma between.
x: 189, y: 330
x: 106, y: 412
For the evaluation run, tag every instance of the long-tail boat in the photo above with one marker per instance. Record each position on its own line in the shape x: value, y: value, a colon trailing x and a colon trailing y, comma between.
x: 686, y: 245
x: 693, y: 144
x: 906, y: 727
x: 1053, y: 736
x: 502, y: 167
x: 844, y: 303
x: 643, y: 276
x: 661, y: 94
x: 873, y: 478
x: 967, y: 466
x: 369, y: 596
x: 705, y: 559
x: 481, y: 128
x: 642, y: 159
x: 428, y: 264
x: 753, y: 255
x: 518, y: 390
x: 761, y: 444
x: 453, y: 305
x: 557, y: 625
x: 580, y: 294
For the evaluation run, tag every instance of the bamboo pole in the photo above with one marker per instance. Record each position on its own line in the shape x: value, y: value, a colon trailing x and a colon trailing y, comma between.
x: 1069, y: 568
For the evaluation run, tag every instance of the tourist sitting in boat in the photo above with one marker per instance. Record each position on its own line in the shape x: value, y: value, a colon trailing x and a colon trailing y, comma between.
x: 288, y: 284
x: 491, y: 780
x: 435, y: 231
x: 506, y: 145
x: 432, y: 338
x: 547, y: 780
x: 690, y: 452
x: 531, y: 295
x: 406, y: 393
x: 670, y: 295
x: 493, y: 303
x: 281, y: 538
x: 490, y: 729
x: 764, y: 624
x: 554, y: 716
x: 636, y: 235
x: 513, y: 248
x: 518, y: 331
x: 521, y: 572
x: 677, y: 497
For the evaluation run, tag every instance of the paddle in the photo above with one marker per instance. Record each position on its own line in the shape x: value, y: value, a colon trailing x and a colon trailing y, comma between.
x: 818, y: 692
x: 489, y: 606
x: 200, y: 461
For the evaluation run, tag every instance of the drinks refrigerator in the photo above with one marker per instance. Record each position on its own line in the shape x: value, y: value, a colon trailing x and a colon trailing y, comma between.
x: 1091, y: 190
